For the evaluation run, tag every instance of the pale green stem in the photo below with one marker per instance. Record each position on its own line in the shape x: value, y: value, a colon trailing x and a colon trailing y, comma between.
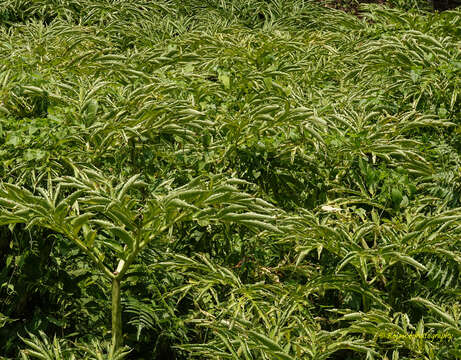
x: 116, y: 317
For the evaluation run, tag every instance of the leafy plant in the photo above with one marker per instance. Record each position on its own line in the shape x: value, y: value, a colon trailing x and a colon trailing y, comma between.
x: 251, y: 179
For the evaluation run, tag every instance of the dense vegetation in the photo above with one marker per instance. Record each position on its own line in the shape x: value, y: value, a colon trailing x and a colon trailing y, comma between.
x: 429, y: 5
x: 235, y: 179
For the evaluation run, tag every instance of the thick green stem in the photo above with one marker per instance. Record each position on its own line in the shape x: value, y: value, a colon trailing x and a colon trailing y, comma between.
x: 116, y: 317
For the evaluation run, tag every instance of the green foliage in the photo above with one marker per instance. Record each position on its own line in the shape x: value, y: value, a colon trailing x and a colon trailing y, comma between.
x: 41, y: 347
x: 255, y: 180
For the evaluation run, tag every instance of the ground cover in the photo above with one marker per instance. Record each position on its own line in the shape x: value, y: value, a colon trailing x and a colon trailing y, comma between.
x: 239, y: 179
x: 428, y: 5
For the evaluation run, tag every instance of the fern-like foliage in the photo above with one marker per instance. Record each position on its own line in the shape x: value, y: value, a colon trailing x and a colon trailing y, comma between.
x: 41, y: 347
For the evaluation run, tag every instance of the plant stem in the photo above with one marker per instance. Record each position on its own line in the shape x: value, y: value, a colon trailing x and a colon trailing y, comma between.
x: 116, y: 317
